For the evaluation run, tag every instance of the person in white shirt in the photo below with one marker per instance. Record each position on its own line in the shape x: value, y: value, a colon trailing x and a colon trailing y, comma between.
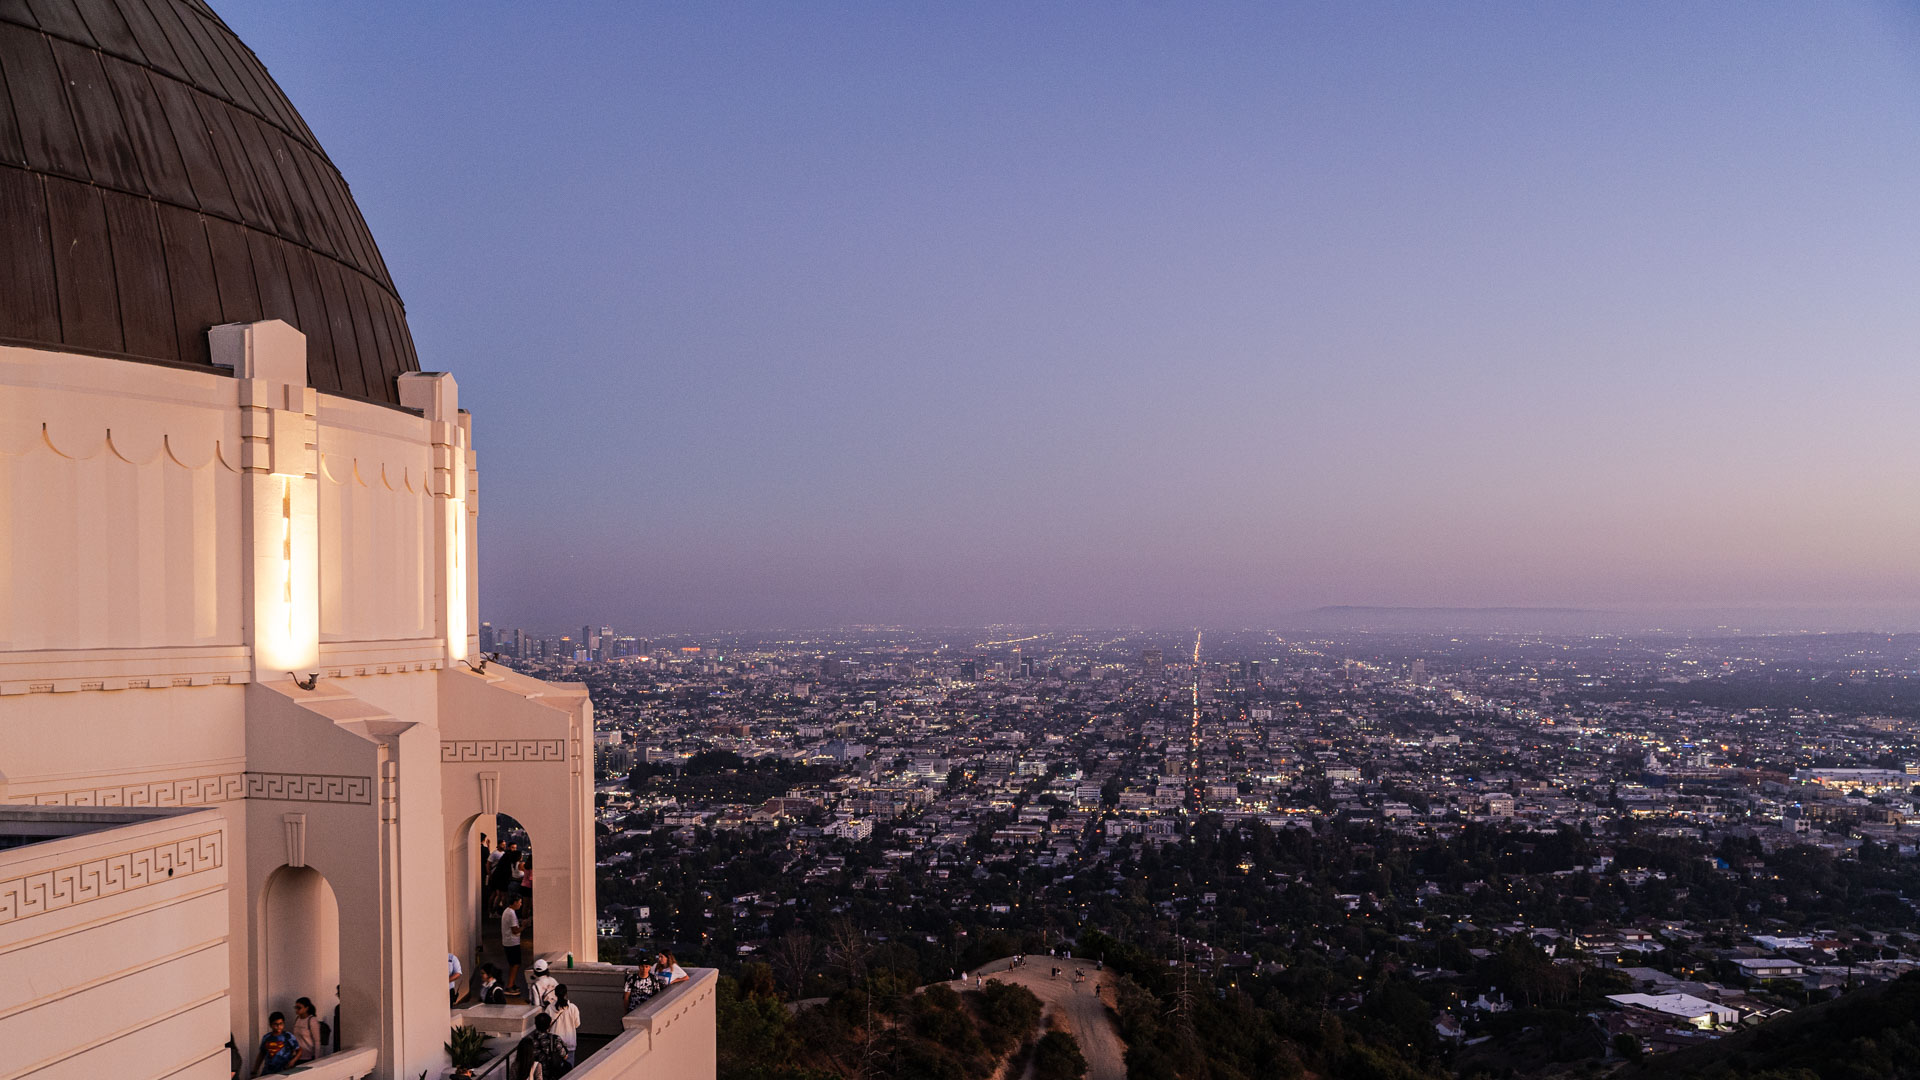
x: 540, y: 987
x: 453, y: 979
x: 668, y: 970
x: 566, y: 1021
x: 510, y: 941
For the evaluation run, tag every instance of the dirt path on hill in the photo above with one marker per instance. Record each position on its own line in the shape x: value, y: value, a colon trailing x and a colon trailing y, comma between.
x: 1080, y: 1006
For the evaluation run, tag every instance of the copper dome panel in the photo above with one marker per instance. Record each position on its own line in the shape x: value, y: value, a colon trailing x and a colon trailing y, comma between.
x: 155, y: 181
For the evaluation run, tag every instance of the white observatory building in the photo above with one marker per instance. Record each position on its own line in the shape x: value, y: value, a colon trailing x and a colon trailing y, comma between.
x: 247, y: 745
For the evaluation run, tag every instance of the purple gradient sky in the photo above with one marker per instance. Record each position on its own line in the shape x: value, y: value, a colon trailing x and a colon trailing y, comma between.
x: 807, y: 313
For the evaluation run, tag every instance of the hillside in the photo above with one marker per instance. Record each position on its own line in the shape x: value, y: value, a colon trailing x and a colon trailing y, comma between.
x: 883, y: 1028
x: 1870, y: 1033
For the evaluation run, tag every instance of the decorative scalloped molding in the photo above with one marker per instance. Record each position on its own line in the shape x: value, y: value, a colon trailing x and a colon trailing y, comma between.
x: 88, y: 448
x: 507, y: 750
x: 109, y: 875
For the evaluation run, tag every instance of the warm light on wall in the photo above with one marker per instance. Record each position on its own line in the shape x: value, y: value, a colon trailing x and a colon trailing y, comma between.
x: 457, y: 581
x: 288, y: 590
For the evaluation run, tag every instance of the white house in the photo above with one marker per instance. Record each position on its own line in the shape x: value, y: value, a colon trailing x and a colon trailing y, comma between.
x: 1698, y: 1012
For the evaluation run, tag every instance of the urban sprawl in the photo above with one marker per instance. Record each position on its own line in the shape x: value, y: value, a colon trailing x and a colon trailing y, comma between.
x: 1670, y: 837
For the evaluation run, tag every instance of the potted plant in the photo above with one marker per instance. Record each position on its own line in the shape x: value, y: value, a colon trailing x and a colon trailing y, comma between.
x: 466, y: 1049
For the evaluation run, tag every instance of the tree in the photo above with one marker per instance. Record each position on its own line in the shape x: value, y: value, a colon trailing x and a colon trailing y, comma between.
x: 1057, y: 1057
x: 847, y: 949
x: 1627, y: 1046
x: 792, y: 958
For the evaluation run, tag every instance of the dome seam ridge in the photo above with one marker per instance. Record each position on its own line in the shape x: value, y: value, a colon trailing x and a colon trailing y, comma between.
x: 306, y: 138
x: 148, y: 197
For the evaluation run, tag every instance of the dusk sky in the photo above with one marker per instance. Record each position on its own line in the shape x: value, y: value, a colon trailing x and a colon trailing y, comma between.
x: 1164, y: 314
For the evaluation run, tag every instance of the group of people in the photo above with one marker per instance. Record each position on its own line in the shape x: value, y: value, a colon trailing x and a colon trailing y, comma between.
x: 506, y: 871
x: 649, y: 979
x: 284, y: 1046
x: 554, y: 1045
x: 509, y: 883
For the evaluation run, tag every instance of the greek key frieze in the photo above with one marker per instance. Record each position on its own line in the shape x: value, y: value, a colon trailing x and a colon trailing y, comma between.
x: 110, y: 875
x: 507, y: 750
x: 310, y: 787
x: 185, y: 791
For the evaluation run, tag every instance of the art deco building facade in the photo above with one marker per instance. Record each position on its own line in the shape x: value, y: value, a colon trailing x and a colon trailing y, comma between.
x: 247, y: 745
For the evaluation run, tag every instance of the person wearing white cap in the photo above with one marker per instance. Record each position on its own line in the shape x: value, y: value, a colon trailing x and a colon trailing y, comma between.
x: 540, y: 987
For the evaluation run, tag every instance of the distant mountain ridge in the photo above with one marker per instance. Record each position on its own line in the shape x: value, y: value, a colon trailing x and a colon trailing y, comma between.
x: 1375, y: 609
x: 1584, y: 620
x: 1523, y: 619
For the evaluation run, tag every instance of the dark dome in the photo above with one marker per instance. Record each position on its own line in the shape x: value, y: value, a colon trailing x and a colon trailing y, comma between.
x: 154, y: 181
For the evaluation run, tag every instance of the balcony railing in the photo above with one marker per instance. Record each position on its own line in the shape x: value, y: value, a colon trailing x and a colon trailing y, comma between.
x: 670, y: 1034
x: 353, y: 1063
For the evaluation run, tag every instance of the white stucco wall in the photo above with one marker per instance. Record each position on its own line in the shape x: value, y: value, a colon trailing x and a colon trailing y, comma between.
x: 176, y: 547
x: 113, y: 952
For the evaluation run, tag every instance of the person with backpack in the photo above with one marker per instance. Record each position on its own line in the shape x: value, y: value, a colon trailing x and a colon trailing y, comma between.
x: 306, y: 1029
x: 489, y: 991
x: 566, y: 1021
x: 638, y: 987
x: 541, y: 1055
x: 540, y: 987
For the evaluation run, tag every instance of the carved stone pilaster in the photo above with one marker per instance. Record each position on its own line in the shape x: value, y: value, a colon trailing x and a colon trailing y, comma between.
x: 296, y: 829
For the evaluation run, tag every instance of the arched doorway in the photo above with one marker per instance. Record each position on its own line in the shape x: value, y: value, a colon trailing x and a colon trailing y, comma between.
x: 302, y: 924
x: 488, y: 867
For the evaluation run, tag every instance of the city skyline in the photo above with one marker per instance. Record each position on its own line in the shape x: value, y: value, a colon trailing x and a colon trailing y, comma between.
x: 1150, y: 317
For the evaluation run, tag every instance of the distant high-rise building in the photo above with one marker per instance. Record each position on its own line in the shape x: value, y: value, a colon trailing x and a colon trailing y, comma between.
x: 486, y: 637
x: 969, y: 669
x: 1419, y: 670
x: 1253, y: 677
x: 1152, y: 660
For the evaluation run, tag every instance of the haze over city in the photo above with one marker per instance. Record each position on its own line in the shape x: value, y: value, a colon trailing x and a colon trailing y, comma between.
x: 1152, y: 315
x: 951, y: 542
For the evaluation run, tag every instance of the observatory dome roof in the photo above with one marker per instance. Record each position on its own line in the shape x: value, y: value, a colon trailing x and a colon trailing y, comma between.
x: 155, y: 181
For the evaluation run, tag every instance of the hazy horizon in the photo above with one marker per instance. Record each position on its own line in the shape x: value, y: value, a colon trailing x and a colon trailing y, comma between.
x: 1338, y: 619
x: 1124, y: 315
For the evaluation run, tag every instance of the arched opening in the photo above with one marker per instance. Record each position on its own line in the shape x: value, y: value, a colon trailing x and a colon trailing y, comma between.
x: 491, y: 860
x: 302, y: 926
